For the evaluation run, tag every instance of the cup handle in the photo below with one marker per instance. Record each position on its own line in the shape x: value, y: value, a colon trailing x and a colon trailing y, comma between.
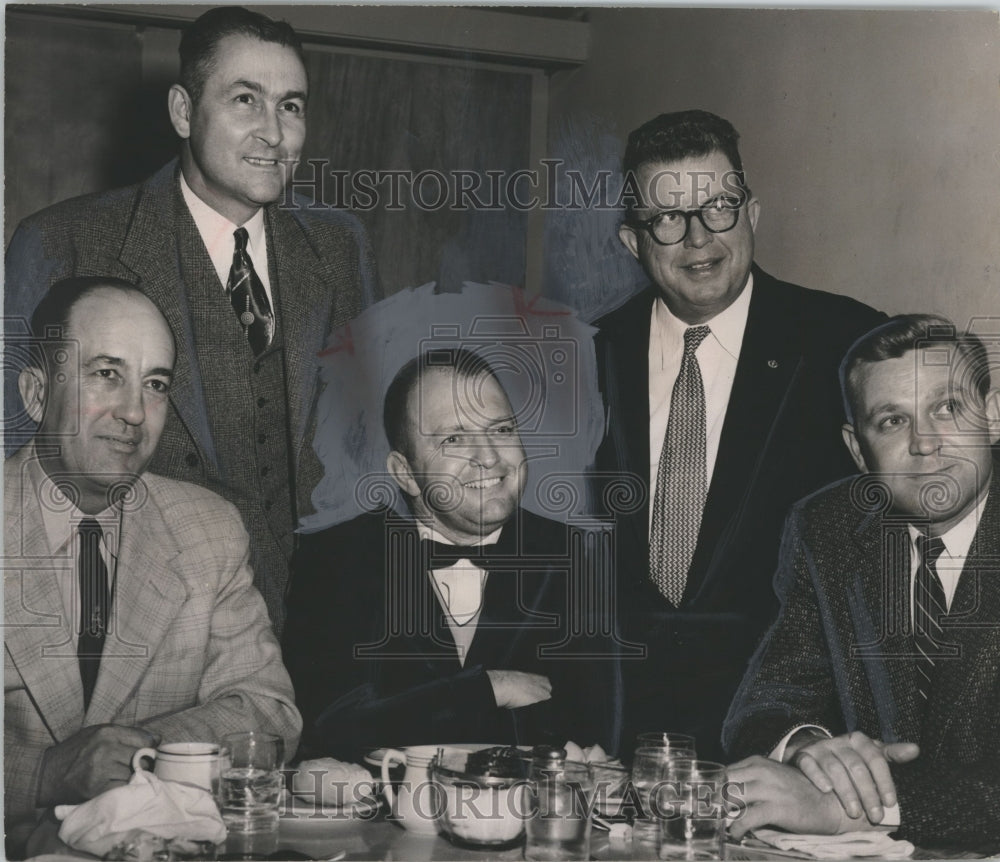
x: 139, y: 755
x: 393, y: 755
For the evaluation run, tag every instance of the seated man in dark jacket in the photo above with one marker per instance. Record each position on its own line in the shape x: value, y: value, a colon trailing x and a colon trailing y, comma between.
x: 464, y: 622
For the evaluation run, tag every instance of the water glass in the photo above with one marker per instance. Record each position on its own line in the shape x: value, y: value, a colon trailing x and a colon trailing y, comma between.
x: 649, y: 769
x: 558, y: 825
x: 691, y: 808
x: 663, y: 739
x: 250, y: 793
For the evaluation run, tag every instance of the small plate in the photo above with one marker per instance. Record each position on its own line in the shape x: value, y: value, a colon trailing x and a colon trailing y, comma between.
x: 296, y: 810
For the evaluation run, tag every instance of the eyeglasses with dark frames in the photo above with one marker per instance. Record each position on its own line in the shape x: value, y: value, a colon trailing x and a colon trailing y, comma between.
x: 670, y: 227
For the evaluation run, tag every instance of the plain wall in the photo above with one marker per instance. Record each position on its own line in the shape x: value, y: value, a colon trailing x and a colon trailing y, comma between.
x: 872, y: 140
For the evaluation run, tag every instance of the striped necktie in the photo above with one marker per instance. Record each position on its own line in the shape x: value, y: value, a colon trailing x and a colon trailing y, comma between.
x: 929, y: 606
x: 681, y: 477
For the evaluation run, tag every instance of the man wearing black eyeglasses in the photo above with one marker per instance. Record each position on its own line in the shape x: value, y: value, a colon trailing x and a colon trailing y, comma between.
x: 720, y: 384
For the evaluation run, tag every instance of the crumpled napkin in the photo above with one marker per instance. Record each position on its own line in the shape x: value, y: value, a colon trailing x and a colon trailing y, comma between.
x: 843, y: 846
x: 164, y: 808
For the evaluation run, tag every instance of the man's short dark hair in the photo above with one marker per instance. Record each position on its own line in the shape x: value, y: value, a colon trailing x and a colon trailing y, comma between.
x: 682, y: 135
x: 50, y: 319
x: 201, y: 39
x: 395, y: 419
x: 904, y: 333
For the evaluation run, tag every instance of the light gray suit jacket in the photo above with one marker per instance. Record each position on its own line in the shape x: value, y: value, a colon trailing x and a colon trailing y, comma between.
x: 190, y: 655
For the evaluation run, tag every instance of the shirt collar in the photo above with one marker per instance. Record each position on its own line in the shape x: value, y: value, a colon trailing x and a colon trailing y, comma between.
x: 426, y: 531
x: 958, y: 539
x: 727, y: 326
x: 217, y: 231
x: 60, y: 517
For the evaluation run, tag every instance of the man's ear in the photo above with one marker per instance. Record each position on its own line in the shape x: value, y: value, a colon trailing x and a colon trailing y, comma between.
x: 753, y: 212
x: 399, y: 469
x: 629, y: 239
x: 993, y: 414
x: 180, y: 106
x: 31, y: 384
x: 854, y: 446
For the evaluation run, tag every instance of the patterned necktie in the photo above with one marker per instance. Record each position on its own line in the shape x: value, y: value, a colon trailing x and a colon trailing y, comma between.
x: 928, y: 607
x: 249, y: 299
x: 94, y: 606
x: 681, y: 477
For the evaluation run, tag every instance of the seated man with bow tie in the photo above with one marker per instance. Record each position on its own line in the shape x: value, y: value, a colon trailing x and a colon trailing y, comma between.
x: 462, y: 623
x: 877, y: 691
x: 130, y: 615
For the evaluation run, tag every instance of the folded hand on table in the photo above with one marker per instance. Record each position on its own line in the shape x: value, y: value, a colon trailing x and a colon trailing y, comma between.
x: 516, y: 688
x: 856, y: 768
x: 92, y: 760
x: 777, y: 794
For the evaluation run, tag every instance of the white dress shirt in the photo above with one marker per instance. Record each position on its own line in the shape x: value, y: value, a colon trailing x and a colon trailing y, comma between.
x: 61, y: 520
x: 217, y: 234
x: 717, y: 357
x: 459, y: 589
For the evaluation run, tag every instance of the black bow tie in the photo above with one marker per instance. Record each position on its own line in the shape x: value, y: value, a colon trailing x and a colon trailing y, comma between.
x: 442, y: 556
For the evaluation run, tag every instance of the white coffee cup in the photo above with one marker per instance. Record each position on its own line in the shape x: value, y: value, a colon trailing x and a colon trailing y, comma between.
x: 197, y: 763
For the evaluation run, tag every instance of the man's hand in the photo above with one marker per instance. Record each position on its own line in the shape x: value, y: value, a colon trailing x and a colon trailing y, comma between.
x: 856, y: 768
x: 777, y: 794
x: 92, y: 760
x: 514, y: 688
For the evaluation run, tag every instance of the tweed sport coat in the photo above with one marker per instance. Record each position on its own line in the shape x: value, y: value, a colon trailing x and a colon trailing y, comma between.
x: 839, y: 656
x: 780, y: 441
x: 321, y: 274
x: 191, y: 654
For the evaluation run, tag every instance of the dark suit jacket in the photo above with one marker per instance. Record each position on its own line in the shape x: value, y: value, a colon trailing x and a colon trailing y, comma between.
x: 320, y: 276
x: 374, y: 663
x: 840, y: 656
x: 780, y: 440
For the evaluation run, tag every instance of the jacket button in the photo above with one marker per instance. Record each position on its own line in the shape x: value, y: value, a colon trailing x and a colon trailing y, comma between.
x: 265, y: 470
x: 191, y: 459
x: 256, y: 368
x: 261, y: 401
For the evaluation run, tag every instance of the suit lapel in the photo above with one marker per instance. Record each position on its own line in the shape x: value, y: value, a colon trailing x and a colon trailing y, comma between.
x: 769, y: 360
x: 878, y: 561
x: 153, y: 249
x: 972, y: 624
x: 303, y: 296
x: 36, y: 634
x: 147, y: 598
x: 627, y: 376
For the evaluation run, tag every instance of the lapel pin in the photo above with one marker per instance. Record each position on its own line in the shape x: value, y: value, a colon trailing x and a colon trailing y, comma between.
x: 772, y: 363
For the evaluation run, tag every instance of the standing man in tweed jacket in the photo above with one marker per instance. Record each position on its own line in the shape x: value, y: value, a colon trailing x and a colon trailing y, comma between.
x: 250, y: 288
x: 880, y: 680
x: 130, y: 615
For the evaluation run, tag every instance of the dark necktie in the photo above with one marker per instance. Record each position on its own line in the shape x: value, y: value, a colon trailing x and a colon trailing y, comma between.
x: 249, y: 299
x: 441, y: 556
x: 681, y: 477
x: 928, y: 607
x: 94, y: 606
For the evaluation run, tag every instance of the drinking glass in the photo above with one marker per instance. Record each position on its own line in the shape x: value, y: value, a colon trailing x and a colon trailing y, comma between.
x: 558, y: 826
x: 691, y: 810
x: 251, y: 791
x: 663, y: 739
x: 649, y: 768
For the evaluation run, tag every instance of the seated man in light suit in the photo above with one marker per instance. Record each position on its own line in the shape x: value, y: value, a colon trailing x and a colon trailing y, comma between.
x: 130, y: 615
x: 880, y: 680
x: 463, y: 623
